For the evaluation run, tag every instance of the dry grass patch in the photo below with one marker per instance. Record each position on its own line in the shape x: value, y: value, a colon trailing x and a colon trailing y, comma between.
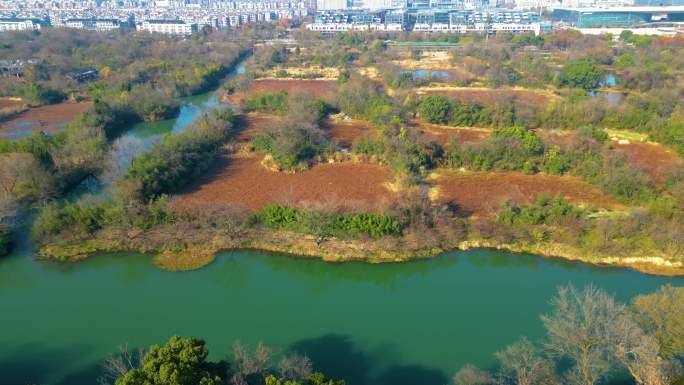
x: 324, y: 89
x: 296, y: 73
x: 252, y: 124
x: 485, y: 95
x: 11, y: 102
x: 185, y: 260
x: 483, y: 193
x: 443, y: 135
x: 346, y: 131
x: 655, y: 160
x: 241, y: 180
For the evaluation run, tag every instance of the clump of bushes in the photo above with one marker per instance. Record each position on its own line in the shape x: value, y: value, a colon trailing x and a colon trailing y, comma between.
x: 437, y: 109
x: 327, y: 224
x: 272, y: 102
x: 83, y: 218
x: 545, y: 210
x: 508, y: 149
x: 581, y: 74
x: 293, y: 143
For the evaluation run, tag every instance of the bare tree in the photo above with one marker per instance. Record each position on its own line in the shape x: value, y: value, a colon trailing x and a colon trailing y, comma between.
x: 579, y: 329
x: 471, y: 375
x: 121, y: 156
x: 295, y: 367
x: 639, y: 354
x: 248, y: 364
x: 523, y: 364
x: 22, y: 177
x: 116, y: 366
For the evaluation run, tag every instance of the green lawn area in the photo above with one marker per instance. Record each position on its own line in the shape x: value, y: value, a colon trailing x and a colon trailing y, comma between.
x: 630, y: 135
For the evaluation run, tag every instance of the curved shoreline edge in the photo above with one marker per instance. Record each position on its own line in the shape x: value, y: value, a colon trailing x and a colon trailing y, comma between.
x: 180, y: 256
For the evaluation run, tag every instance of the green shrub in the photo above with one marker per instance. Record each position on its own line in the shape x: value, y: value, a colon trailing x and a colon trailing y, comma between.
x: 369, y: 147
x: 507, y: 149
x: 267, y: 102
x: 581, y: 74
x: 545, y: 210
x: 78, y: 218
x: 435, y: 109
x: 323, y: 224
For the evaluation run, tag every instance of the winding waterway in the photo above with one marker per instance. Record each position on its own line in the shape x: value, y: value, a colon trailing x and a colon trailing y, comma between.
x: 410, y: 323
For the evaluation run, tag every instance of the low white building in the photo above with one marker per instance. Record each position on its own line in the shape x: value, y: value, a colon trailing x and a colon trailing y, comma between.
x: 515, y: 28
x: 18, y: 25
x: 171, y: 27
x: 101, y: 25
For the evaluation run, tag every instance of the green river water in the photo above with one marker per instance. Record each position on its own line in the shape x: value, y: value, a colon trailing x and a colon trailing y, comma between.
x: 409, y: 323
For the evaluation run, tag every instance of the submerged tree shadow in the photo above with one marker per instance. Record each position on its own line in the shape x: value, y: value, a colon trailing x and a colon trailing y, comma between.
x: 338, y: 357
x: 411, y: 375
x: 37, y: 364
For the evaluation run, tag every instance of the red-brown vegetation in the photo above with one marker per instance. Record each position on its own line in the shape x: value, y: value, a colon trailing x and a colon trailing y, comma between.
x: 482, y: 193
x: 51, y: 118
x: 346, y: 132
x: 443, y: 135
x: 242, y: 181
x: 656, y: 161
x: 324, y: 89
x: 489, y: 96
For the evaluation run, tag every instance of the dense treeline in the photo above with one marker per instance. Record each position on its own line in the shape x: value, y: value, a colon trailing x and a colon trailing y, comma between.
x: 183, y: 361
x: 171, y: 66
x: 139, y: 78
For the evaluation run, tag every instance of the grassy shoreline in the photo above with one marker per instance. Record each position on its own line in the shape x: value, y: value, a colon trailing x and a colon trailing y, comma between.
x: 201, y: 252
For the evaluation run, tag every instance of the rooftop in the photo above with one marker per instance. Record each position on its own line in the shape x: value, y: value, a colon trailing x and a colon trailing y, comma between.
x: 648, y: 9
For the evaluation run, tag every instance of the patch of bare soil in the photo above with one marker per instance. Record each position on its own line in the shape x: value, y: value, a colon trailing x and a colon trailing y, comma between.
x: 52, y: 118
x: 346, y: 132
x: 242, y: 181
x: 252, y: 124
x: 483, y: 193
x: 443, y: 135
x: 656, y: 161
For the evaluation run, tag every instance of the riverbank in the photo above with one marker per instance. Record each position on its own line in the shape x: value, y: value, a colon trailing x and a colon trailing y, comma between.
x: 180, y: 248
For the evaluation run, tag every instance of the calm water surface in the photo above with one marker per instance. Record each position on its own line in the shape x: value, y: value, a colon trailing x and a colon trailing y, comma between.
x: 411, y: 323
